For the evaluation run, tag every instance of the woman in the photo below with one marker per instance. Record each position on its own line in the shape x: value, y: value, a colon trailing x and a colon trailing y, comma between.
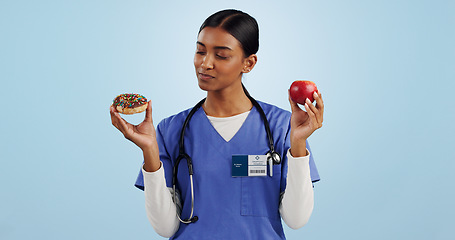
x: 227, y: 124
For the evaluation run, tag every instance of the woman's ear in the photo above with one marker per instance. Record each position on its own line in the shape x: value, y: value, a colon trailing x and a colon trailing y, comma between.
x: 249, y: 63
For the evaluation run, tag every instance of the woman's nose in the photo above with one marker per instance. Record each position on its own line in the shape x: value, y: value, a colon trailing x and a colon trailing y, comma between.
x: 207, y: 62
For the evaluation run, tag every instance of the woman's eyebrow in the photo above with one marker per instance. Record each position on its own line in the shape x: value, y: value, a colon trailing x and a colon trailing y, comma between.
x: 216, y: 47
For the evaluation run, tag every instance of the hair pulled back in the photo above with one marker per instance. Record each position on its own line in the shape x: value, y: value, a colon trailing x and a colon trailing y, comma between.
x: 240, y: 25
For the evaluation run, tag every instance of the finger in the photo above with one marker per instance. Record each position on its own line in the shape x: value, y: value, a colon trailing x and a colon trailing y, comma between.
x: 294, y: 106
x: 315, y: 112
x: 319, y: 101
x: 319, y: 106
x: 113, y: 109
x: 311, y: 106
x: 148, y: 113
x: 311, y: 115
x: 113, y: 117
x: 116, y: 123
x: 310, y: 112
x: 120, y: 123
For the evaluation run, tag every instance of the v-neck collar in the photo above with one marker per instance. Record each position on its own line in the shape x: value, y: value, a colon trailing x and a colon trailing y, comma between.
x: 213, y: 134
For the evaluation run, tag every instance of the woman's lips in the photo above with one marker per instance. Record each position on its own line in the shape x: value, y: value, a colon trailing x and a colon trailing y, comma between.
x: 203, y: 76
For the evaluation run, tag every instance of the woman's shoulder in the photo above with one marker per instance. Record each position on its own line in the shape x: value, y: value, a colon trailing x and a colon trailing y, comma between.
x: 274, y: 111
x: 174, y: 120
x: 276, y: 116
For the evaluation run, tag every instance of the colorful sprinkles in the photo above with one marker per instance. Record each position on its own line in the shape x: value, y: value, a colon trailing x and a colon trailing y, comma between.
x: 129, y: 100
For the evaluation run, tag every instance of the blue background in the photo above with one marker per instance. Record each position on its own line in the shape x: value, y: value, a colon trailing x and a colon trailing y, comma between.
x: 385, y: 69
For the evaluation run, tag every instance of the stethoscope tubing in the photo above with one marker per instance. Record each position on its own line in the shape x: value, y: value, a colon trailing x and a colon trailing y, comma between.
x: 272, y: 155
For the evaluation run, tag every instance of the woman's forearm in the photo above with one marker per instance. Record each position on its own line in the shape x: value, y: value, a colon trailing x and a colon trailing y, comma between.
x: 298, y: 148
x: 298, y: 199
x: 161, y: 210
x: 151, y: 158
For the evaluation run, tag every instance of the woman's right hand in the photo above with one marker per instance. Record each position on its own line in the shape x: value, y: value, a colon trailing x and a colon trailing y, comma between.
x: 143, y: 135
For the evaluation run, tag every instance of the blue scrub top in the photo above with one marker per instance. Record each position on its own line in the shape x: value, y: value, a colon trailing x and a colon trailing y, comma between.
x: 228, y: 207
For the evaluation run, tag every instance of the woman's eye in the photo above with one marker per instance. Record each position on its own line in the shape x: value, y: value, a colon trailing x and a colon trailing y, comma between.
x: 200, y: 52
x: 221, y: 57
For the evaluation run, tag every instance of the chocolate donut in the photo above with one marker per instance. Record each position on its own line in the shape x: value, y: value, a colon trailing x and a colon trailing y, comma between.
x: 130, y: 103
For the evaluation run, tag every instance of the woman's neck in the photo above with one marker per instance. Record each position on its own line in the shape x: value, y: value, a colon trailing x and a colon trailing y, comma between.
x: 227, y: 103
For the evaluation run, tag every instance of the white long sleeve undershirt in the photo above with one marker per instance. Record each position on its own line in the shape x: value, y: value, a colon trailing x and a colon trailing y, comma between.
x: 296, y: 203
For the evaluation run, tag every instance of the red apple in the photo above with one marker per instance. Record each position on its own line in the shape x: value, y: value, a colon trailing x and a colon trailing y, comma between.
x: 301, y: 90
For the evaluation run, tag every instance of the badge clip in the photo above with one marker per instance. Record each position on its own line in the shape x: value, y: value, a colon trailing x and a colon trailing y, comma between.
x: 270, y: 167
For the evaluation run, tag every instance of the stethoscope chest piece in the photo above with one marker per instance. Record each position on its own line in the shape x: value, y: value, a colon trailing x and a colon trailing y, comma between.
x: 275, y: 157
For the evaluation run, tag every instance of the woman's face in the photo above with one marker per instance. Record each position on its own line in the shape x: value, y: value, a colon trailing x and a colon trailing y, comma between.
x: 219, y: 60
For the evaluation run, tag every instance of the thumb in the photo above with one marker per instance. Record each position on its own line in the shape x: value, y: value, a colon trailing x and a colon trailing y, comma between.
x: 294, y: 106
x: 148, y: 112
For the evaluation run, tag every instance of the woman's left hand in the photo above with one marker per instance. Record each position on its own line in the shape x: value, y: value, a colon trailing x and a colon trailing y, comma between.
x: 303, y: 124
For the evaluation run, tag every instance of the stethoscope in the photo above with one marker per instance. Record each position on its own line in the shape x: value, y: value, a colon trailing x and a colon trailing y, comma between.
x: 272, y: 156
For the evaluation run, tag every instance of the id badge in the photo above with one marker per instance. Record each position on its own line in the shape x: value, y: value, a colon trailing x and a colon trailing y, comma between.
x: 249, y: 165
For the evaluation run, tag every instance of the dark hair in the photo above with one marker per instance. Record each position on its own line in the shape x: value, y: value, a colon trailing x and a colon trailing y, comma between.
x: 240, y: 25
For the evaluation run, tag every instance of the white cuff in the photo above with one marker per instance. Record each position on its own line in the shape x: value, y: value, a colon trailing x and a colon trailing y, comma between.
x: 304, y: 159
x: 157, y: 172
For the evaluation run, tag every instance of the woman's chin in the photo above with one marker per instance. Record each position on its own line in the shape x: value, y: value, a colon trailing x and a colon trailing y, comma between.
x: 203, y: 85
